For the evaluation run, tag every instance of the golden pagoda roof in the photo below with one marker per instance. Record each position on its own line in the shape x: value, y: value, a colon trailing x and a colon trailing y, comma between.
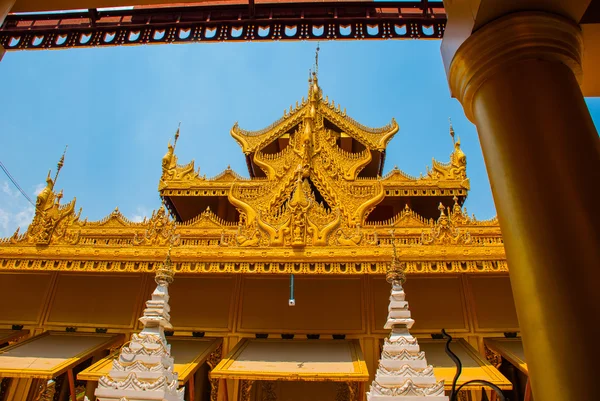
x: 372, y: 138
x: 311, y: 133
x: 313, y: 205
x: 211, y: 245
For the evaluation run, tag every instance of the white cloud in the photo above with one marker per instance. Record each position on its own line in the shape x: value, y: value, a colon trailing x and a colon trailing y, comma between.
x: 15, y: 210
x: 39, y: 188
x: 139, y: 215
x: 8, y: 190
x: 4, y: 220
x: 24, y: 217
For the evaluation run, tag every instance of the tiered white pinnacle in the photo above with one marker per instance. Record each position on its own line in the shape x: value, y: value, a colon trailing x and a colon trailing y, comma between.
x: 144, y: 369
x: 403, y: 372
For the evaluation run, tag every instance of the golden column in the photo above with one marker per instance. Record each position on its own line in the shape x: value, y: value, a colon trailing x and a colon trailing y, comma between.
x: 517, y: 79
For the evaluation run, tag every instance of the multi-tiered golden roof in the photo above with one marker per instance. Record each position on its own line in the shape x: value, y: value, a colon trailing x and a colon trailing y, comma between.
x: 315, y: 186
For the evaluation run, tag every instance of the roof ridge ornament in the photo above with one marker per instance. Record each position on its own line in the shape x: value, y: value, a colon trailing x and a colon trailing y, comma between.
x: 60, y: 164
x: 395, y: 273
x: 177, y: 135
x: 317, y: 59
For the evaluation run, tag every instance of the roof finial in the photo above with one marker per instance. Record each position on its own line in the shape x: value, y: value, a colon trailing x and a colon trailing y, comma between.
x: 394, y: 255
x: 395, y: 273
x: 177, y: 134
x: 451, y: 130
x: 317, y: 60
x: 164, y: 274
x: 60, y: 164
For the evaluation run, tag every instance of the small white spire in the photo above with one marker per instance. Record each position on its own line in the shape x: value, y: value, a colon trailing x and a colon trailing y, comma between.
x: 144, y: 369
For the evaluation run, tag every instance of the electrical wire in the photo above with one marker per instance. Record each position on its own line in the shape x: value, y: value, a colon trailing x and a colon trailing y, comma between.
x: 15, y: 183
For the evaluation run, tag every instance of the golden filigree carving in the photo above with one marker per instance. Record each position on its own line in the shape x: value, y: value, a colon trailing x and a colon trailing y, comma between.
x: 406, y: 218
x: 493, y: 357
x: 268, y: 391
x: 349, y: 238
x: 445, y: 232
x: 309, y: 142
x: 456, y: 169
x: 207, y: 219
x: 213, y: 360
x: 257, y: 265
x: 347, y: 391
x: 299, y: 205
x: 299, y: 222
x: 51, y: 220
x: 46, y: 391
x: 173, y: 171
x: 159, y: 230
x: 215, y: 357
x: 246, y: 389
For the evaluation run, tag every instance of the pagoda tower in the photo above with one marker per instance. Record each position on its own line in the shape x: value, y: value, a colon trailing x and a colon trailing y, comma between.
x: 403, y: 372
x: 144, y: 370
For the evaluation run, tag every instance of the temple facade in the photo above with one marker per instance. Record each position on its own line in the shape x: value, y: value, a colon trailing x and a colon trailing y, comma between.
x: 280, y: 290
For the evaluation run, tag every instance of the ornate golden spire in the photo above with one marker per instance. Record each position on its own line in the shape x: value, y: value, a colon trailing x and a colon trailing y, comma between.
x: 177, y: 135
x: 451, y: 129
x: 60, y: 164
x: 317, y: 60
x: 441, y: 208
x: 165, y: 273
x: 395, y: 273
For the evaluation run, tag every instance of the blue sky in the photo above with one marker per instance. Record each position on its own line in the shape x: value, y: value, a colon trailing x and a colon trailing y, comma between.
x: 117, y: 108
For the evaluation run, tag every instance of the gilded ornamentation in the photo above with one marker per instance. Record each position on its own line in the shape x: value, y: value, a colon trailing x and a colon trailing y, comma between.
x: 445, y: 232
x: 212, y: 361
x: 456, y: 169
x: 201, y: 264
x: 46, y: 391
x: 299, y: 205
x: 268, y: 391
x: 319, y: 195
x: 173, y: 171
x: 159, y: 230
x: 463, y: 395
x: 396, y: 270
x: 345, y: 238
x: 343, y: 392
x: 215, y: 357
x: 246, y: 389
x: 51, y: 220
x: 493, y: 357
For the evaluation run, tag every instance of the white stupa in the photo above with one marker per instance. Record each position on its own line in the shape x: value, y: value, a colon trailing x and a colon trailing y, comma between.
x: 144, y: 369
x: 403, y: 373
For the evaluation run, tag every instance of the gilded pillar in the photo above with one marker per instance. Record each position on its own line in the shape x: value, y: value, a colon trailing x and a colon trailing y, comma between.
x: 517, y: 79
x: 5, y: 6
